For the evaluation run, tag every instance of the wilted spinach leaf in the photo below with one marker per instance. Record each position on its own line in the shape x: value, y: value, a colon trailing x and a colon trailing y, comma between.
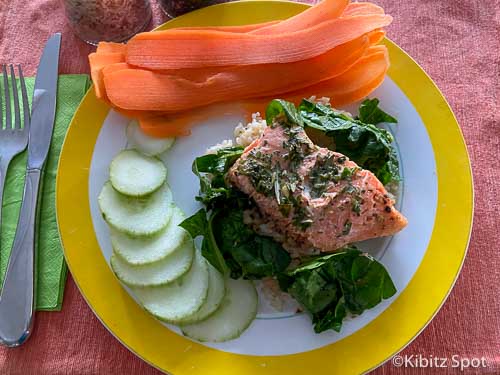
x: 198, y: 225
x: 364, y: 282
x: 211, y: 169
x: 315, y: 290
x: 370, y: 113
x: 255, y: 256
x: 220, y: 162
x: 280, y: 107
x: 330, y: 318
x: 330, y: 286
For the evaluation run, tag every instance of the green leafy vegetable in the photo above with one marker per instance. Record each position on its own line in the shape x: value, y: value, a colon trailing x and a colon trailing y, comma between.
x: 280, y: 107
x: 198, y: 225
x: 255, y: 256
x: 370, y: 113
x: 332, y: 318
x: 218, y: 163
x: 367, y: 145
x: 330, y: 286
x: 314, y: 290
x: 213, y: 187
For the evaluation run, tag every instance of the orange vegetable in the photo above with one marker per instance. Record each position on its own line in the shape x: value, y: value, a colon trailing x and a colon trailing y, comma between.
x: 329, y: 50
x: 356, y: 9
x: 163, y: 92
x: 358, y: 82
x: 111, y: 47
x: 108, y: 69
x: 376, y: 36
x: 355, y: 84
x: 164, y: 126
x: 98, y: 61
x: 324, y: 11
x: 232, y: 29
x: 175, y: 49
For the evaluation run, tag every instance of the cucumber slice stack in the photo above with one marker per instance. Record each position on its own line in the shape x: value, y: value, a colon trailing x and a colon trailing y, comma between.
x: 157, y: 259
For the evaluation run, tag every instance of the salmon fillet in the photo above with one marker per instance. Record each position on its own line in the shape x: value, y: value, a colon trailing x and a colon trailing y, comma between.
x: 310, y: 198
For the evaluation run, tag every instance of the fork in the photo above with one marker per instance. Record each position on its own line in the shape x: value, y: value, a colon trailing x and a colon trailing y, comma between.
x: 13, y: 136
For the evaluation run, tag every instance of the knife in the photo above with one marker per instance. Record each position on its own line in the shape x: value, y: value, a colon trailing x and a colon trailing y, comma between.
x: 17, y: 298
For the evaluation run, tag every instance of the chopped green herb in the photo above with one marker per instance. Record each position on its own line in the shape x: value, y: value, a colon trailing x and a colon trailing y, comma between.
x: 348, y: 173
x: 325, y: 172
x: 296, y: 145
x: 258, y: 167
x: 347, y: 228
x: 356, y: 206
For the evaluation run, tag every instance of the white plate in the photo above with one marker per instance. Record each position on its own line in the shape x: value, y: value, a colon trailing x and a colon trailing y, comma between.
x: 275, y: 332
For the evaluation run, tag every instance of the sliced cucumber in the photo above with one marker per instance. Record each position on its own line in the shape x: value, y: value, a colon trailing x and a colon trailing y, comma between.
x: 216, y: 292
x: 135, y: 174
x: 175, y: 301
x: 161, y: 272
x: 138, y: 251
x: 136, y: 216
x: 237, y: 310
x: 144, y: 143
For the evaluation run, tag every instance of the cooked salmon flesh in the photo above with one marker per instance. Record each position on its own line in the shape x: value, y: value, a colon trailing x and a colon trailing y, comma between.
x: 311, y: 198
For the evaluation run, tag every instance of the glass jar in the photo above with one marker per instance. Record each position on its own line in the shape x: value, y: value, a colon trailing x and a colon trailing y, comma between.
x: 174, y: 8
x: 107, y: 20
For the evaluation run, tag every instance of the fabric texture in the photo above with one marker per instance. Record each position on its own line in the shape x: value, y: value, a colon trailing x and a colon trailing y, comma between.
x: 51, y: 267
x: 457, y: 42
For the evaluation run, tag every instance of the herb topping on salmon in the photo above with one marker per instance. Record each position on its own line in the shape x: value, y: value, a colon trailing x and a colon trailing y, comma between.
x: 311, y: 198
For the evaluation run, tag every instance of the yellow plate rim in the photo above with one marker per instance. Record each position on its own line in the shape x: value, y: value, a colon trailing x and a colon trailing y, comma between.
x: 412, y: 310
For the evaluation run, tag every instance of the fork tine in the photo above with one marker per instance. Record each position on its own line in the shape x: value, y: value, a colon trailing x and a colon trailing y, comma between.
x: 8, y: 121
x: 17, y: 110
x: 26, y: 106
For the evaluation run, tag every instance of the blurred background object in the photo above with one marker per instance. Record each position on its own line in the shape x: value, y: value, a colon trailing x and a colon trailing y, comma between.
x: 107, y: 20
x: 174, y: 8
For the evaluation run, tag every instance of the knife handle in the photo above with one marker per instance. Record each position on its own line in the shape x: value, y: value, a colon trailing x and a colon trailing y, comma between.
x: 17, y: 298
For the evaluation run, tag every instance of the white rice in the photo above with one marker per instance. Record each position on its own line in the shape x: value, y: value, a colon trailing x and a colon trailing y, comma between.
x: 246, y: 134
x: 323, y: 100
x: 225, y: 143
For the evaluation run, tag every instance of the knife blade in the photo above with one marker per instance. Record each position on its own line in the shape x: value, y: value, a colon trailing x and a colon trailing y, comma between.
x: 17, y: 297
x: 43, y: 110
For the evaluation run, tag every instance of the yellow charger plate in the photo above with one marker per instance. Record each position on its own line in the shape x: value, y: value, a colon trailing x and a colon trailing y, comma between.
x: 360, y: 351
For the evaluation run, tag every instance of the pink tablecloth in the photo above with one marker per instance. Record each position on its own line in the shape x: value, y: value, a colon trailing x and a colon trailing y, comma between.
x: 457, y: 42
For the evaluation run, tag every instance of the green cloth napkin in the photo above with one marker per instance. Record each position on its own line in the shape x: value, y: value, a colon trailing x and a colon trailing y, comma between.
x: 51, y: 267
